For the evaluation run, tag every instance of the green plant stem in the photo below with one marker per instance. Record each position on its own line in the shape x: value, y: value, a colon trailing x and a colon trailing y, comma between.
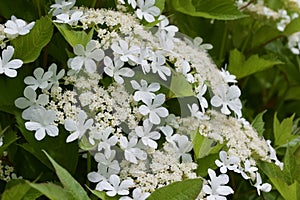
x: 93, y: 4
x: 38, y: 5
x: 88, y: 166
x: 223, y: 44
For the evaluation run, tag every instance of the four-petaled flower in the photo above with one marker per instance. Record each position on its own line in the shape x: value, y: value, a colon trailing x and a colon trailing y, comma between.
x: 86, y: 57
x: 125, y: 51
x: 144, y: 92
x: 40, y: 79
x: 131, y: 151
x: 29, y: 99
x: 158, y: 66
x: 7, y: 66
x: 107, y: 162
x: 70, y: 18
x: 182, y: 146
x: 42, y: 122
x: 147, y: 10
x: 227, y: 162
x: 217, y: 189
x: 61, y: 6
x: 154, y: 109
x: 228, y: 97
x: 15, y: 27
x: 137, y: 194
x: 114, y: 186
x: 79, y: 127
x: 146, y: 134
x: 116, y: 70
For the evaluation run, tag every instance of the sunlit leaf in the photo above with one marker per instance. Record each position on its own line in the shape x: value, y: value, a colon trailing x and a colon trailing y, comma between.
x: 258, y: 123
x: 52, y: 191
x: 216, y: 9
x: 183, y: 190
x: 242, y: 67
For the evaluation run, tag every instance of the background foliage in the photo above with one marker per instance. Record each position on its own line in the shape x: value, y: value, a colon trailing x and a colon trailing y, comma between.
x: 249, y: 45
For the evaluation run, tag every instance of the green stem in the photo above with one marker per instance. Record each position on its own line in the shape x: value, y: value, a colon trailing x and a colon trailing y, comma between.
x: 223, y: 44
x: 38, y: 5
x: 93, y: 4
x: 88, y: 166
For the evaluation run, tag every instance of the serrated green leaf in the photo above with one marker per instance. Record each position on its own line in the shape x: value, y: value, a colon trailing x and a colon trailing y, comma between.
x: 52, y: 191
x: 68, y: 181
x: 283, y: 131
x: 74, y: 37
x: 209, y: 162
x: 290, y: 166
x: 217, y: 9
x: 29, y: 47
x: 258, y: 123
x: 184, y: 190
x: 240, y: 67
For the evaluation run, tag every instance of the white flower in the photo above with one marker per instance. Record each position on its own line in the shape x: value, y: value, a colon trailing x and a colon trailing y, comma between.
x: 70, y: 18
x: 1, y: 141
x: 15, y: 27
x: 217, y: 190
x: 226, y: 162
x: 197, y: 43
x: 30, y: 99
x: 158, y: 66
x: 182, y: 147
x: 114, y: 186
x: 273, y: 155
x: 86, y: 57
x: 147, y: 136
x: 107, y: 161
x: 106, y: 141
x: 185, y: 69
x: 143, y: 90
x: 7, y: 66
x: 132, y: 3
x: 147, y: 10
x: 40, y: 79
x: 131, y: 152
x: 42, y: 122
x: 201, y: 90
x: 115, y: 69
x: 54, y: 80
x: 247, y: 168
x: 294, y: 43
x: 229, y: 78
x: 228, y: 97
x: 79, y: 127
x: 154, y: 109
x: 137, y: 194
x: 61, y: 6
x: 168, y: 132
x: 266, y: 187
x: 142, y: 58
x: 125, y: 51
x: 163, y: 25
x: 194, y: 109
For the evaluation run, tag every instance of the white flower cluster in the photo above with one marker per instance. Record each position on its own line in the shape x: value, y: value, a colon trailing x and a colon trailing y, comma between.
x: 117, y: 108
x: 9, y: 31
x: 281, y: 16
x: 6, y: 171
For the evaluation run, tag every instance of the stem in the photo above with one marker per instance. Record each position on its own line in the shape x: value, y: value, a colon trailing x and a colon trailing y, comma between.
x: 88, y: 166
x: 38, y: 5
x: 93, y: 4
x: 223, y: 44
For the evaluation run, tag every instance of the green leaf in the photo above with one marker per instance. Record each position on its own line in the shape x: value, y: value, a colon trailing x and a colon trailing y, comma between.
x: 52, y: 191
x: 10, y: 137
x: 102, y: 195
x: 68, y: 181
x: 209, y: 162
x: 216, y: 9
x: 290, y: 166
x: 160, y: 4
x: 292, y: 27
x: 293, y: 93
x: 204, y: 146
x: 258, y: 123
x: 183, y: 190
x: 240, y: 67
x: 179, y: 86
x: 16, y: 192
x: 74, y: 37
x: 29, y: 47
x: 283, y: 131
